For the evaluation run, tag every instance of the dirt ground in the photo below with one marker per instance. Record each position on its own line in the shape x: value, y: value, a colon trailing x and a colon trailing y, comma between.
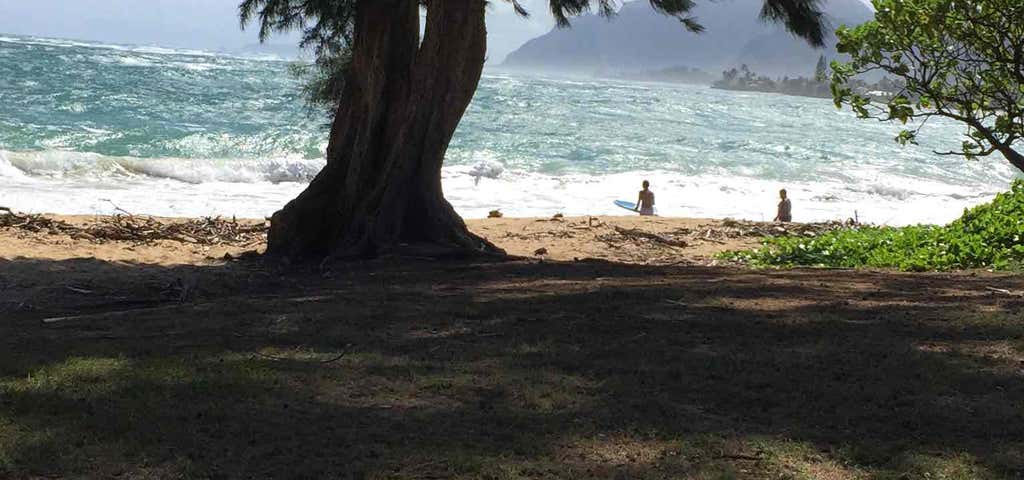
x: 166, y: 361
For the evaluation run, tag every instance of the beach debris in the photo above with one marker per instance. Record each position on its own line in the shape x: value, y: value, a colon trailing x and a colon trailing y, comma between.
x: 117, y: 208
x: 540, y: 251
x: 143, y: 229
x: 637, y: 233
x: 541, y: 235
x: 732, y: 228
x: 495, y: 214
x: 1005, y: 292
x: 34, y: 223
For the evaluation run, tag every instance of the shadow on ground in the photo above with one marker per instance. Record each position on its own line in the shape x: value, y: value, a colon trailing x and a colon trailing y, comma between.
x: 507, y: 370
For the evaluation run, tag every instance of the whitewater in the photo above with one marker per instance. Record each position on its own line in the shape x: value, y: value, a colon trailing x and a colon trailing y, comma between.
x: 89, y: 129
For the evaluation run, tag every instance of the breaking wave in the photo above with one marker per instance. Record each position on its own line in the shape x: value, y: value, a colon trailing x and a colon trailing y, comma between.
x: 184, y: 132
x: 56, y: 164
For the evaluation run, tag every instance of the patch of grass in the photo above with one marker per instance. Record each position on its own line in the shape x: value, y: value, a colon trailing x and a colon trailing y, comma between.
x: 954, y: 467
x: 781, y: 375
x: 987, y: 236
x: 66, y: 414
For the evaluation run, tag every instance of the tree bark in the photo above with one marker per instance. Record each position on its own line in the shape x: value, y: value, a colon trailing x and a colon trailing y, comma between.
x: 1015, y: 158
x: 381, y: 187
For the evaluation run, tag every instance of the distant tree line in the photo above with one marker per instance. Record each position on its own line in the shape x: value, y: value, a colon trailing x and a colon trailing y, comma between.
x: 676, y: 74
x: 744, y: 79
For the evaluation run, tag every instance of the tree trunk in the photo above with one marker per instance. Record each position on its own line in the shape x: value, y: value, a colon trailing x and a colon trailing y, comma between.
x: 1015, y: 158
x: 381, y: 187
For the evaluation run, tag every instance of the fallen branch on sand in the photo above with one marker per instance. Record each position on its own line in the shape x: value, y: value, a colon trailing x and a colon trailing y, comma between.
x: 1005, y: 292
x: 635, y: 233
x: 140, y: 229
x: 115, y: 314
x: 731, y: 228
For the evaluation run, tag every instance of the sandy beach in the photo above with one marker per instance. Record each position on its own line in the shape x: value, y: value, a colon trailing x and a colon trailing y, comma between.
x: 50, y: 256
x: 617, y: 239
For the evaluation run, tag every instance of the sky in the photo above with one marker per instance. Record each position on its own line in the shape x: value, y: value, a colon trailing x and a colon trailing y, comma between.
x: 207, y: 24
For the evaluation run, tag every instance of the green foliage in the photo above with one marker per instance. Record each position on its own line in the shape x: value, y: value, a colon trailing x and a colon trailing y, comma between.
x: 821, y: 70
x: 987, y: 236
x: 323, y: 82
x: 961, y: 60
x: 327, y: 27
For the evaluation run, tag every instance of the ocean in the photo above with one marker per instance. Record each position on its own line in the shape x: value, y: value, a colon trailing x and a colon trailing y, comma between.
x: 89, y: 129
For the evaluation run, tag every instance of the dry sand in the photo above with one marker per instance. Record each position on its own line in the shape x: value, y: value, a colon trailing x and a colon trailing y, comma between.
x: 47, y: 270
x: 563, y: 239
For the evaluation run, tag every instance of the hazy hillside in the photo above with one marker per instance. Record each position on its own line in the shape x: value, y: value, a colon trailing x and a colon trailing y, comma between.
x: 639, y: 39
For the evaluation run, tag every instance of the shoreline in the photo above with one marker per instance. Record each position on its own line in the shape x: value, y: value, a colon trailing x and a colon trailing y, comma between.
x: 142, y: 239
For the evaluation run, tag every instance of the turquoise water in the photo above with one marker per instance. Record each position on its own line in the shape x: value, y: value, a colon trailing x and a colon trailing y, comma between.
x: 85, y: 126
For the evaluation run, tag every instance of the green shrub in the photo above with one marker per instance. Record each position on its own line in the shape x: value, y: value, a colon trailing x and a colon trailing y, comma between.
x: 987, y: 236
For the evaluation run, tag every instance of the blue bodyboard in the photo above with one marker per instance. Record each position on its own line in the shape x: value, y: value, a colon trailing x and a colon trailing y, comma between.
x: 624, y: 204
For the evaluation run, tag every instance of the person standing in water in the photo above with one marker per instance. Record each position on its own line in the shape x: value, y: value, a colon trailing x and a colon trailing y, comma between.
x: 785, y: 213
x: 645, y: 201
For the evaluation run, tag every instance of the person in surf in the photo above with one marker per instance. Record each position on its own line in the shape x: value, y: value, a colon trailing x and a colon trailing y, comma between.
x: 785, y: 213
x: 645, y: 201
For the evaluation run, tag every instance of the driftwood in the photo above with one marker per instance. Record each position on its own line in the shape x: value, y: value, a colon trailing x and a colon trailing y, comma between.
x: 140, y: 229
x: 1005, y: 292
x: 635, y: 233
x: 115, y: 314
x: 731, y: 228
x: 83, y: 291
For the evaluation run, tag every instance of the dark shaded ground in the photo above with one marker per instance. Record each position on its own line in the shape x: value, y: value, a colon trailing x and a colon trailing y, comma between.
x: 507, y: 370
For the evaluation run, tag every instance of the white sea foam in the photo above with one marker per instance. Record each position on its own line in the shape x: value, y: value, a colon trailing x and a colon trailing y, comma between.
x: 70, y: 182
x: 172, y: 141
x: 701, y: 196
x: 487, y: 169
x: 135, y: 61
x: 51, y: 164
x: 8, y: 171
x: 63, y: 43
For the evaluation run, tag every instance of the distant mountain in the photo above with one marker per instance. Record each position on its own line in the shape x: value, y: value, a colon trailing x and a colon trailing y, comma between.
x: 640, y: 39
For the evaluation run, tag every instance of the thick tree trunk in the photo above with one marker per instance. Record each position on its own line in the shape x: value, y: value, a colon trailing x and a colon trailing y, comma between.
x: 381, y: 187
x: 1015, y: 158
